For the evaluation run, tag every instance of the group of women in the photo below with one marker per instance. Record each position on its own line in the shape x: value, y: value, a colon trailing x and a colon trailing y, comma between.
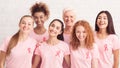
x: 72, y: 44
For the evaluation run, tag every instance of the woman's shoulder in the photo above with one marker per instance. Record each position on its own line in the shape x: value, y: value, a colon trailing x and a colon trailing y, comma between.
x: 7, y: 38
x: 113, y: 36
x: 63, y: 42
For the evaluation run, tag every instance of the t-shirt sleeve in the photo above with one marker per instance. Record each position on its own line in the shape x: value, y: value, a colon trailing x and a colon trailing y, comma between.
x: 116, y: 42
x: 95, y: 52
x: 66, y: 49
x: 4, y: 45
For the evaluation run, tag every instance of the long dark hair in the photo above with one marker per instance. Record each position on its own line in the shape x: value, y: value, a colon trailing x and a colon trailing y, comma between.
x: 110, y: 27
x: 60, y: 36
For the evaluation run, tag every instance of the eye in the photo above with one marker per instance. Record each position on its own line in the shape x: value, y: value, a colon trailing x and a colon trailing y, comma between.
x: 35, y: 17
x: 57, y: 28
x: 29, y: 24
x: 99, y: 17
x: 71, y: 16
x: 23, y: 22
x: 105, y: 18
x: 66, y: 17
x: 41, y: 17
x: 77, y: 31
x: 84, y: 31
x: 52, y: 25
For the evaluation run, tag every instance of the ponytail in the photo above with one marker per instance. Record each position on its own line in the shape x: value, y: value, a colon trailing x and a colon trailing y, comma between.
x: 12, y: 43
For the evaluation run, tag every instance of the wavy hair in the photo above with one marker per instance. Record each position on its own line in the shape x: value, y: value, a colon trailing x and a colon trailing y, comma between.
x: 75, y: 43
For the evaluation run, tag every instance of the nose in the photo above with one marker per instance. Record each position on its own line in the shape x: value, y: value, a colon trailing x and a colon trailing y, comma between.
x: 25, y: 25
x: 54, y: 29
x: 101, y: 19
x: 80, y: 34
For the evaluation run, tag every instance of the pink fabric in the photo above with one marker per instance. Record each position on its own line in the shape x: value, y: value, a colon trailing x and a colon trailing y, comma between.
x: 21, y: 54
x: 82, y: 57
x: 66, y: 38
x: 52, y: 55
x: 105, y: 47
x: 39, y: 38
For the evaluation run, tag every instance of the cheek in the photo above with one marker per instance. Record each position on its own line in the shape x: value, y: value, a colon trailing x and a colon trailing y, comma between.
x: 77, y: 34
x: 31, y: 27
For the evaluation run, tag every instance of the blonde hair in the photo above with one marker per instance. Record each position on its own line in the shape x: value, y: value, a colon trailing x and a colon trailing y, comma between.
x: 89, y: 39
x: 14, y: 40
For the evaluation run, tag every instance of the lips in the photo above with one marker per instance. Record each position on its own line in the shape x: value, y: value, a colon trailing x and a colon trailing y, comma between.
x: 51, y: 31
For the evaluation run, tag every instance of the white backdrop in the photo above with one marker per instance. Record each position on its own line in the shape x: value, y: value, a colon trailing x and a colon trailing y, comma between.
x: 12, y: 10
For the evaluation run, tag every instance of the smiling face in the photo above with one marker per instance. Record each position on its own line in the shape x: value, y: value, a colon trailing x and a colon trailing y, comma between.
x: 39, y: 18
x: 26, y: 25
x: 69, y: 18
x: 102, y: 21
x: 55, y: 28
x: 81, y: 33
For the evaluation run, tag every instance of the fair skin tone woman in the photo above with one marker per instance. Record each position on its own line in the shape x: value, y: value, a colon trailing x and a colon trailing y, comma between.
x: 19, y: 46
x: 84, y: 53
x: 105, y: 32
x: 69, y: 18
x: 56, y: 48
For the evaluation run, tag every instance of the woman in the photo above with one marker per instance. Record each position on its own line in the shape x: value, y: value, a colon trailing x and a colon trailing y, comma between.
x: 41, y: 13
x: 17, y: 51
x: 84, y: 52
x: 106, y: 40
x: 54, y: 49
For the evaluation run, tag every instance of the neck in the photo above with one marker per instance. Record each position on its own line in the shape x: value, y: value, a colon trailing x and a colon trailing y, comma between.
x: 82, y: 44
x: 52, y: 41
x: 68, y: 30
x: 102, y: 34
x: 39, y: 30
x: 23, y: 37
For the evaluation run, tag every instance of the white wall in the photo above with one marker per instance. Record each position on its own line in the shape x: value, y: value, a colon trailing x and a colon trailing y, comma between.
x: 12, y: 10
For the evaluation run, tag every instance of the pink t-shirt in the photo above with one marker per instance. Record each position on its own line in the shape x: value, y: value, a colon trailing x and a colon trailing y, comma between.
x: 82, y: 57
x: 106, y: 46
x: 39, y: 38
x: 21, y: 54
x: 52, y: 55
x: 67, y: 40
x: 66, y: 37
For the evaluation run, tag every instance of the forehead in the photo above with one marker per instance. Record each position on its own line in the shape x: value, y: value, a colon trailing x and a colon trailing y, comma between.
x: 56, y: 23
x: 27, y: 19
x: 69, y: 12
x: 80, y: 28
x: 38, y: 14
x: 103, y: 15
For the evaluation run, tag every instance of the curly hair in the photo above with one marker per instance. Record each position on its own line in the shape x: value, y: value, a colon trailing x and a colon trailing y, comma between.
x: 40, y: 7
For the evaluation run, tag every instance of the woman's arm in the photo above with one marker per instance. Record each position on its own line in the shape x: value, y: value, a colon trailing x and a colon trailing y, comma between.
x: 67, y: 59
x: 2, y: 59
x: 94, y: 63
x: 36, y: 61
x: 116, y: 58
